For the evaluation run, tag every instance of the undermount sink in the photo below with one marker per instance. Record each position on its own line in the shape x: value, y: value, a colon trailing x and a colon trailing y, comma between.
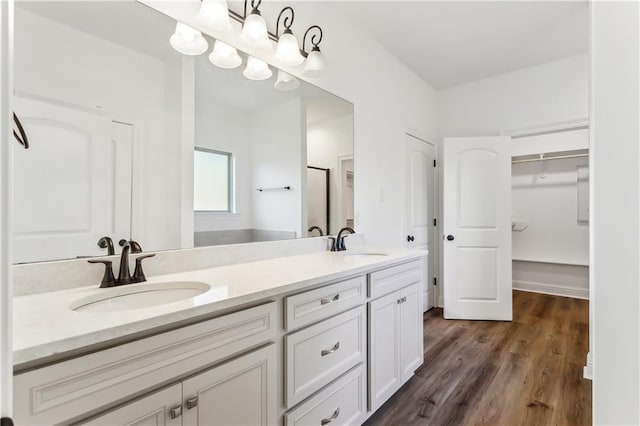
x: 366, y: 253
x: 139, y: 296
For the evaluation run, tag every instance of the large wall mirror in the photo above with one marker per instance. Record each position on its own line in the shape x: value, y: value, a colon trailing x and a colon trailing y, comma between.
x: 129, y: 139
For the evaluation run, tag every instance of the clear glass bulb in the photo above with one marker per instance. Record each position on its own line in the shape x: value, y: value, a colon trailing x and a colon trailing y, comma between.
x: 288, y: 52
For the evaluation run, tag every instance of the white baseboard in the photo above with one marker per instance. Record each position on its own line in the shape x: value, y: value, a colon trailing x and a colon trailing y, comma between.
x: 556, y: 290
x: 587, y: 371
x: 441, y: 302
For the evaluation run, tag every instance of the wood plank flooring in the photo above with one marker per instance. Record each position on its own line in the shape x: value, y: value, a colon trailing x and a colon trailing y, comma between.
x: 524, y: 372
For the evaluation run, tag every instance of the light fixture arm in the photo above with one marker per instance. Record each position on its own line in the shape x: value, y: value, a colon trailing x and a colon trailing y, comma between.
x: 287, y: 22
x: 255, y: 4
x: 315, y: 39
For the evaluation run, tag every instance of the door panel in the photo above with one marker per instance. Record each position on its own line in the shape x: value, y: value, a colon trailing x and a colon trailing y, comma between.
x: 240, y: 392
x: 420, y: 209
x: 477, y: 226
x: 73, y: 185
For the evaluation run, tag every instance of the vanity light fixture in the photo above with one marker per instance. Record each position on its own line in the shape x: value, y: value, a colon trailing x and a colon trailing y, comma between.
x: 286, y: 82
x: 315, y: 59
x: 254, y: 28
x: 287, y: 52
x: 188, y: 41
x: 257, y: 69
x: 224, y: 56
x: 215, y: 14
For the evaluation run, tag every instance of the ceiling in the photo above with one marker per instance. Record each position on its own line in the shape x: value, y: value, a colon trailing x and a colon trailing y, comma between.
x: 448, y: 43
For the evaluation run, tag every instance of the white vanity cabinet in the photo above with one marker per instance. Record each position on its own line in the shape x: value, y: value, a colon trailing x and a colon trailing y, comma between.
x: 395, y: 330
x: 80, y: 387
x: 240, y: 392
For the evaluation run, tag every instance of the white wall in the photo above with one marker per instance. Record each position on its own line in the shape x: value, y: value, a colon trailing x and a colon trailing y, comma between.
x: 548, y: 93
x: 327, y: 141
x: 224, y: 128
x: 615, y: 212
x: 60, y: 63
x: 278, y: 154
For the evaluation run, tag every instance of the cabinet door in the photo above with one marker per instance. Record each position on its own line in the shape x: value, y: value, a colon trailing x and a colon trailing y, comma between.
x: 162, y: 408
x: 240, y: 392
x: 411, y: 340
x: 384, y: 348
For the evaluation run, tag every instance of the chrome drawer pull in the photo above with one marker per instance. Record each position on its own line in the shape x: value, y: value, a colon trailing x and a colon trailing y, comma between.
x: 326, y: 352
x: 333, y: 299
x: 332, y: 418
x: 192, y: 403
x: 176, y: 412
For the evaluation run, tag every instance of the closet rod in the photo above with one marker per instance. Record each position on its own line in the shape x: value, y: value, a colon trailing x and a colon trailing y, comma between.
x: 560, y: 157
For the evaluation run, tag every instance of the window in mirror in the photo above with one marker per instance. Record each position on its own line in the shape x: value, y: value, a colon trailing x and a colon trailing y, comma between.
x: 213, y: 181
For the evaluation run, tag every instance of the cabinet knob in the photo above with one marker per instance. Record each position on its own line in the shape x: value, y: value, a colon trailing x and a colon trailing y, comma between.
x: 176, y: 412
x: 326, y: 352
x: 192, y: 403
x: 410, y: 238
x: 332, y: 418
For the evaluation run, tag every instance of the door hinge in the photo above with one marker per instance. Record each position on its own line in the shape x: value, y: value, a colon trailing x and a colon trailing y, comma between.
x: 435, y: 222
x: 435, y: 281
x: 434, y: 163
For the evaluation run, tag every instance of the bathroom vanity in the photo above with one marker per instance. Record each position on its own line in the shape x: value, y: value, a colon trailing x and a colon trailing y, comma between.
x: 319, y: 338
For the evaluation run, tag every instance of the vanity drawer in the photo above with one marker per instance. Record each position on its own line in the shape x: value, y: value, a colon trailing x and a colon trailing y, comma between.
x: 394, y: 278
x: 312, y: 306
x: 340, y: 403
x: 317, y: 355
x: 80, y: 386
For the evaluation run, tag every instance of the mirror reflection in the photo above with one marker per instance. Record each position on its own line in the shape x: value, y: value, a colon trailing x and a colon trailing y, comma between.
x: 130, y: 139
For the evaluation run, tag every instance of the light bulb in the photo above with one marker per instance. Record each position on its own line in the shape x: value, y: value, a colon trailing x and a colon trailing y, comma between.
x: 188, y: 41
x: 254, y: 31
x: 286, y: 82
x: 257, y: 69
x: 224, y: 56
x: 215, y: 14
x: 315, y: 63
x: 288, y: 52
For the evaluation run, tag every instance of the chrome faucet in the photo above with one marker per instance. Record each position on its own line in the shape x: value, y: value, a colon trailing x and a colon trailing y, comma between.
x: 124, y: 274
x: 337, y: 244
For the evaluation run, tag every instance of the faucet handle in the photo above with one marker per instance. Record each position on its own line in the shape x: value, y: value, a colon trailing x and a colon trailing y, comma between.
x: 333, y: 243
x: 341, y: 246
x: 138, y: 273
x: 108, y: 280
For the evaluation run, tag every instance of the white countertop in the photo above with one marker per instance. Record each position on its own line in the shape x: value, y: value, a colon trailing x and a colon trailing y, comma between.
x: 44, y: 325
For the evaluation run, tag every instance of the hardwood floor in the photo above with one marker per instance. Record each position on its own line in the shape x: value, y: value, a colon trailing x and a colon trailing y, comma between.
x: 525, y: 372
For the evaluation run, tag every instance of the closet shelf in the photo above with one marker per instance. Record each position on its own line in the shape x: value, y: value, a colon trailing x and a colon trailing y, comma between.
x: 580, y: 153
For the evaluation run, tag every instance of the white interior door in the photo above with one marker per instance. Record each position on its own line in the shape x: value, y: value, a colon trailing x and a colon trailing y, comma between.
x: 477, y: 228
x: 67, y: 183
x: 420, y: 202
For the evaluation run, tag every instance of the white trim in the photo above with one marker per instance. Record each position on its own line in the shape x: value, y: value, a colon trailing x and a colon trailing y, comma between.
x: 6, y: 148
x: 587, y: 371
x: 560, y: 126
x: 555, y: 290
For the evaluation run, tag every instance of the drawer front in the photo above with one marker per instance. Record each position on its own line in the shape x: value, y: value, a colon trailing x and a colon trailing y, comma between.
x: 312, y: 306
x: 319, y: 354
x: 82, y: 385
x: 394, y: 278
x: 341, y: 403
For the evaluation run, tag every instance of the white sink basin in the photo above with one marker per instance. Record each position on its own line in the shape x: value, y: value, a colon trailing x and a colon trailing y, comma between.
x: 128, y: 297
